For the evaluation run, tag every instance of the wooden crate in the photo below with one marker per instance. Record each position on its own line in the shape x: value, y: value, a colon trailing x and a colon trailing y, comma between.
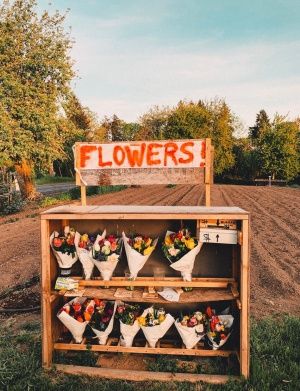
x: 221, y: 274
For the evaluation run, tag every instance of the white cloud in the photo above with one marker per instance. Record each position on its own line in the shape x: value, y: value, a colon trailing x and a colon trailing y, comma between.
x: 127, y: 78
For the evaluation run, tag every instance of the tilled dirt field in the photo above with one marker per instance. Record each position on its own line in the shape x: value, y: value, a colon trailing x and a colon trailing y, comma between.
x: 275, y: 242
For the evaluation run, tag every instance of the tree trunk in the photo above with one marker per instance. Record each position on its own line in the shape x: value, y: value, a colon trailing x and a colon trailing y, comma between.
x: 25, y: 179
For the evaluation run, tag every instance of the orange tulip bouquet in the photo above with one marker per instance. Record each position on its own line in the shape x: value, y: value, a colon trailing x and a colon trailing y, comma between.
x: 75, y: 315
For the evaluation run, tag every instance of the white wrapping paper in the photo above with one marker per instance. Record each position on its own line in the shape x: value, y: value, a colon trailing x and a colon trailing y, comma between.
x: 135, y: 260
x: 154, y: 333
x: 128, y: 333
x: 190, y: 335
x: 85, y: 258
x: 65, y: 261
x: 76, y: 328
x: 106, y: 268
x: 103, y: 335
x: 185, y: 264
x: 229, y: 321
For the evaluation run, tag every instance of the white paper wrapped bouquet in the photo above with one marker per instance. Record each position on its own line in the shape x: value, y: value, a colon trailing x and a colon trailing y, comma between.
x: 84, y: 244
x: 138, y: 249
x: 102, y: 320
x: 191, y: 328
x: 105, y: 253
x: 181, y: 249
x: 129, y: 326
x: 219, y: 328
x: 75, y: 315
x: 155, y: 323
x: 64, y: 250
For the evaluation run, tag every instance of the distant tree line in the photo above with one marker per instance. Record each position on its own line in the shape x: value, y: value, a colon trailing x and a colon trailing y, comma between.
x: 41, y: 117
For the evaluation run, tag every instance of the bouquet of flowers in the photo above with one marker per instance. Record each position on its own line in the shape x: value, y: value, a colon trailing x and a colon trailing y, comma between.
x: 155, y: 323
x: 191, y: 328
x: 75, y: 315
x: 219, y: 328
x: 102, y: 321
x: 106, y: 253
x: 84, y: 244
x: 138, y: 249
x: 180, y: 248
x: 64, y: 250
x: 129, y: 325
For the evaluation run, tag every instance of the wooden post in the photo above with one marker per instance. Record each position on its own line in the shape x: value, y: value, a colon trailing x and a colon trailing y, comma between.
x: 244, y: 316
x: 82, y: 189
x: 83, y: 195
x: 47, y: 343
x: 207, y: 170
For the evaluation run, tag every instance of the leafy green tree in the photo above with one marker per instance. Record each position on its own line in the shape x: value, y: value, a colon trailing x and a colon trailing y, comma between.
x: 35, y: 72
x: 262, y: 124
x: 279, y: 149
x: 190, y: 120
x: 153, y: 124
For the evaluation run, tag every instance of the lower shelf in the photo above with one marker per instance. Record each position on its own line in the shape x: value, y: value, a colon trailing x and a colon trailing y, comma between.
x: 110, y: 373
x: 163, y: 347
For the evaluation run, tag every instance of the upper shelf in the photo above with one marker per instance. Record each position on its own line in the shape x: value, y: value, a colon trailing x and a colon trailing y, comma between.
x: 143, y: 212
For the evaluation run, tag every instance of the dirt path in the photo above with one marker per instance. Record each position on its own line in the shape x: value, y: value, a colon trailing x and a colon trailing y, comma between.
x: 275, y: 244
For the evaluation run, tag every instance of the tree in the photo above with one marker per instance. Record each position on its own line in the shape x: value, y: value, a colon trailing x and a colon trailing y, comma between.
x: 262, y: 124
x: 190, y: 120
x: 153, y: 124
x: 35, y: 72
x: 279, y: 149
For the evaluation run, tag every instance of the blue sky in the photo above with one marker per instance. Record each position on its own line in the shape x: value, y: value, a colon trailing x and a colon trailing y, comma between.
x: 133, y: 54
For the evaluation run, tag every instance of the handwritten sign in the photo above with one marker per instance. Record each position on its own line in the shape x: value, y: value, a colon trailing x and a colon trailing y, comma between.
x: 143, y: 162
x: 222, y: 236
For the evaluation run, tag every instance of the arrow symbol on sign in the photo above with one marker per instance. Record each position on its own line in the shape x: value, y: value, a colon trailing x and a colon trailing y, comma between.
x: 217, y: 236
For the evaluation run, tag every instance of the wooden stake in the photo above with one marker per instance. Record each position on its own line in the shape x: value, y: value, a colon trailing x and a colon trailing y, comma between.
x: 83, y: 195
x: 207, y: 171
x: 244, y: 317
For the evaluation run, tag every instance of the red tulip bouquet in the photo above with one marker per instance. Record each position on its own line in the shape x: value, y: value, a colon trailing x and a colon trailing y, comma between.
x: 64, y: 250
x: 102, y: 321
x: 75, y: 315
x: 219, y: 328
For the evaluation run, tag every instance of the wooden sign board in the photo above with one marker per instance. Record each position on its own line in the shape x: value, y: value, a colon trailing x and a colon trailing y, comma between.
x: 144, y: 163
x: 214, y: 235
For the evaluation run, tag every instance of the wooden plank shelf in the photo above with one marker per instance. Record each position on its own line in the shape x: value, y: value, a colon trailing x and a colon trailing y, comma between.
x: 130, y: 375
x: 167, y: 281
x: 195, y: 296
x: 144, y: 350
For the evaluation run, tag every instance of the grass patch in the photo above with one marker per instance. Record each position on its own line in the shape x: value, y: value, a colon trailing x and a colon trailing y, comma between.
x: 53, y: 179
x: 74, y: 194
x: 274, y: 363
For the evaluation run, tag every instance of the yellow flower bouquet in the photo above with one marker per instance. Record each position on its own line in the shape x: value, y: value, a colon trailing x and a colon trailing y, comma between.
x: 138, y: 249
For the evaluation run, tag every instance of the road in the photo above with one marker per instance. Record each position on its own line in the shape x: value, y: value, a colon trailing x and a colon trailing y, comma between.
x: 55, y: 188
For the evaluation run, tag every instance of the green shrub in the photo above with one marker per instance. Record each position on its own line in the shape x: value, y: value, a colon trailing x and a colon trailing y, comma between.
x: 14, y: 205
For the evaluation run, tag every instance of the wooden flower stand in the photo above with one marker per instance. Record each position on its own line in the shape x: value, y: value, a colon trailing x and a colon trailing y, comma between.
x: 220, y: 278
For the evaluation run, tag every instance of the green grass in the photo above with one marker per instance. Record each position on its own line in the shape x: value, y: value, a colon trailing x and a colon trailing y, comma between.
x: 53, y: 179
x: 274, y: 363
x: 74, y: 194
